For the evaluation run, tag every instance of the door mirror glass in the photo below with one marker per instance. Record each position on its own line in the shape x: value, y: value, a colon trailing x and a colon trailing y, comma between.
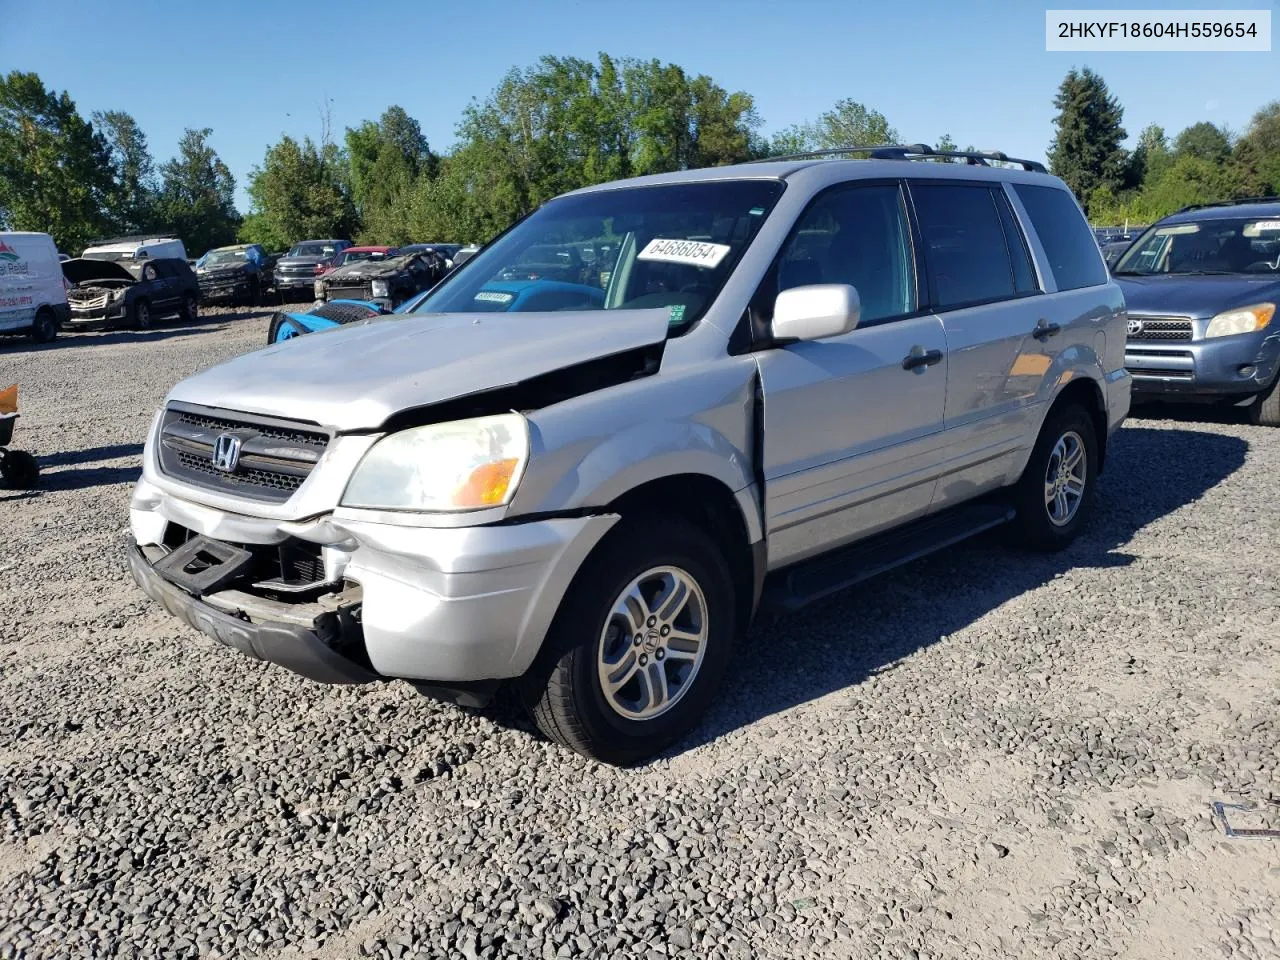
x: 815, y: 312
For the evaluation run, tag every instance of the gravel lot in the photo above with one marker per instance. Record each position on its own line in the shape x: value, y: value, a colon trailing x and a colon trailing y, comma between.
x: 985, y: 754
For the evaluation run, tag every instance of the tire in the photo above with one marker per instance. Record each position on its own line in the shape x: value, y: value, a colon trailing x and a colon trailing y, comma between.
x: 18, y: 470
x: 45, y: 327
x: 565, y: 692
x: 1265, y: 409
x: 142, y: 315
x: 1041, y: 524
x: 190, y: 309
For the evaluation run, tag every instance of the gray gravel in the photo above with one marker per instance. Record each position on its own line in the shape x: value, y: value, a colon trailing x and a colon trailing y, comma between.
x: 984, y: 754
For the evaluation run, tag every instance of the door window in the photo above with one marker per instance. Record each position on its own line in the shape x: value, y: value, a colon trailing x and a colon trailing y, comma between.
x: 856, y: 235
x: 964, y: 239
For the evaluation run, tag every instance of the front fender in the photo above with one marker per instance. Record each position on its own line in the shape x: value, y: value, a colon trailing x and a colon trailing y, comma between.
x: 588, y: 451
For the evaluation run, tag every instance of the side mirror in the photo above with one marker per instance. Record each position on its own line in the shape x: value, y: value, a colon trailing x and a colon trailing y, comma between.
x: 816, y: 312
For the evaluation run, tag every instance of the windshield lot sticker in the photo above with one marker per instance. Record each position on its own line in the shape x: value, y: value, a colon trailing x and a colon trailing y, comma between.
x: 1261, y: 226
x: 494, y: 296
x: 695, y: 253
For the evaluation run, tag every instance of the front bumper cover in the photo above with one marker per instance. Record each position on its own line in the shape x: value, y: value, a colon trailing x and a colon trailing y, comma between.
x: 438, y: 605
x: 1223, y: 366
x: 308, y: 651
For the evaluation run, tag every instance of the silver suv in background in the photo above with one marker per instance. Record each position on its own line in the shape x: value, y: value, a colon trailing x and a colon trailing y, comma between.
x: 651, y: 407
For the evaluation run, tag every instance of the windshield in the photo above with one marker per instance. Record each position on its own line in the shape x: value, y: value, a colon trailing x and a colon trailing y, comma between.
x: 312, y: 250
x: 219, y: 257
x: 113, y: 255
x: 1236, y: 245
x: 633, y: 248
x: 355, y: 256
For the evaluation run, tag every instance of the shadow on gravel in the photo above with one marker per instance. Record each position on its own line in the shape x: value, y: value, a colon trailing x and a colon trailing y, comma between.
x: 89, y: 477
x: 839, y: 642
x: 92, y: 455
x: 1191, y: 412
x: 163, y: 330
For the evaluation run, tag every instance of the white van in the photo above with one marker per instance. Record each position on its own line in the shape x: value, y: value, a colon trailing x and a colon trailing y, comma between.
x: 136, y: 248
x: 33, y: 296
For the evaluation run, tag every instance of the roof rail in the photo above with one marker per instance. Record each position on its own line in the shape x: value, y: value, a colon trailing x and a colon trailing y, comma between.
x: 1239, y: 201
x: 912, y: 151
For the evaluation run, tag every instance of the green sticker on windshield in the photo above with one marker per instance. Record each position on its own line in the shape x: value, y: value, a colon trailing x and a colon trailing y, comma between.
x: 677, y: 313
x: 756, y: 211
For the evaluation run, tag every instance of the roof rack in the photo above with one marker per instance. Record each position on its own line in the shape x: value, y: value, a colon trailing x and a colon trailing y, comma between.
x: 1229, y: 203
x: 912, y: 151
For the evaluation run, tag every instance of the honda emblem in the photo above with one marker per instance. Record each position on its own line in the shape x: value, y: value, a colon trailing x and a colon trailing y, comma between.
x: 226, y: 452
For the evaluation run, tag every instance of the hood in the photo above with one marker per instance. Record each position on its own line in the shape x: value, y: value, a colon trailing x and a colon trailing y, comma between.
x: 83, y: 270
x: 1197, y: 297
x: 356, y: 376
x: 364, y: 269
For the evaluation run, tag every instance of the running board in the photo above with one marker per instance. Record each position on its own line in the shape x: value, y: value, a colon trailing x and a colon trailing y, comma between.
x: 810, y: 580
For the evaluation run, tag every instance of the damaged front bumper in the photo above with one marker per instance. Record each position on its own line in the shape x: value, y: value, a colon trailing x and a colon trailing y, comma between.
x: 450, y: 609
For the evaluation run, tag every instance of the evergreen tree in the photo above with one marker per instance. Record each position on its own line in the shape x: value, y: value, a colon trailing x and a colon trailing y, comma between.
x: 1086, y: 150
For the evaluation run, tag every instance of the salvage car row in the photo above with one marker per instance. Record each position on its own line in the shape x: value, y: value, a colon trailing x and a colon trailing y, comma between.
x: 133, y: 281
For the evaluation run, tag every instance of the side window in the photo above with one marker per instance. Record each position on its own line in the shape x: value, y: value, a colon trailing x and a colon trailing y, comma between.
x: 1024, y: 274
x: 1073, y: 254
x: 964, y: 242
x: 856, y: 235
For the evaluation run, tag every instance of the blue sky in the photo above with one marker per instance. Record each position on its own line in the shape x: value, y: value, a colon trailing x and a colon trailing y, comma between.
x: 256, y: 70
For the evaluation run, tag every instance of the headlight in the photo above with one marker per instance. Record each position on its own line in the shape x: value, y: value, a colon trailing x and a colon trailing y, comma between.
x: 379, y: 288
x: 318, y: 289
x: 464, y: 465
x: 1241, y: 320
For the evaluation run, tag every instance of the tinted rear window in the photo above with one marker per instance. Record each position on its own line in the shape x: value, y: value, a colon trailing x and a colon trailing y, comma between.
x: 1073, y: 253
x: 968, y: 255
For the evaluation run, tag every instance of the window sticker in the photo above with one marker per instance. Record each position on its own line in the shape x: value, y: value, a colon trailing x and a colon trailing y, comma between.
x: 1261, y: 226
x: 694, y: 253
x: 677, y: 313
x: 494, y: 296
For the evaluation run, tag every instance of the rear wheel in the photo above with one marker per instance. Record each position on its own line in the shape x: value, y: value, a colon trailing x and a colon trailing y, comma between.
x: 142, y: 315
x: 1055, y: 493
x: 1265, y: 409
x: 45, y: 327
x: 639, y: 644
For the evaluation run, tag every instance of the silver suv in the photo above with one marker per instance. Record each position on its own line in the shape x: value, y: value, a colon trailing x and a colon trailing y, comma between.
x: 642, y: 413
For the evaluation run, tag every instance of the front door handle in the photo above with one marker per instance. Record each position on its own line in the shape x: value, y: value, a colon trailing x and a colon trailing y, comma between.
x: 920, y: 357
x: 1044, y: 330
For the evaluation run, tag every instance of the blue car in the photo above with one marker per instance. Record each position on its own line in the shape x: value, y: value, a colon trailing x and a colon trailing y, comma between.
x: 1202, y: 288
x: 499, y: 296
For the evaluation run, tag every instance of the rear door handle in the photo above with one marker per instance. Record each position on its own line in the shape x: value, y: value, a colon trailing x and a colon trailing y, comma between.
x: 920, y: 357
x: 1044, y: 330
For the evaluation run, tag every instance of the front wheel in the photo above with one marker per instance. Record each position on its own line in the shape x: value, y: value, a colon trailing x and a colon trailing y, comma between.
x: 19, y: 470
x: 142, y: 315
x: 639, y: 644
x: 190, y: 309
x: 1055, y: 494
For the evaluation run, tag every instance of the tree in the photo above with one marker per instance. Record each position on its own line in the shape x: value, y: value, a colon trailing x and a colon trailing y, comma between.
x: 847, y: 123
x: 300, y: 191
x: 55, y: 170
x: 568, y: 122
x: 1259, y: 148
x: 1086, y: 151
x: 197, y: 196
x: 385, y: 160
x: 1205, y: 141
x: 132, y: 198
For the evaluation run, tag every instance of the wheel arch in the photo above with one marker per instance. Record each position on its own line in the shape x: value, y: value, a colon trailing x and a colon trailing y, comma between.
x: 730, y: 518
x: 1086, y: 393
